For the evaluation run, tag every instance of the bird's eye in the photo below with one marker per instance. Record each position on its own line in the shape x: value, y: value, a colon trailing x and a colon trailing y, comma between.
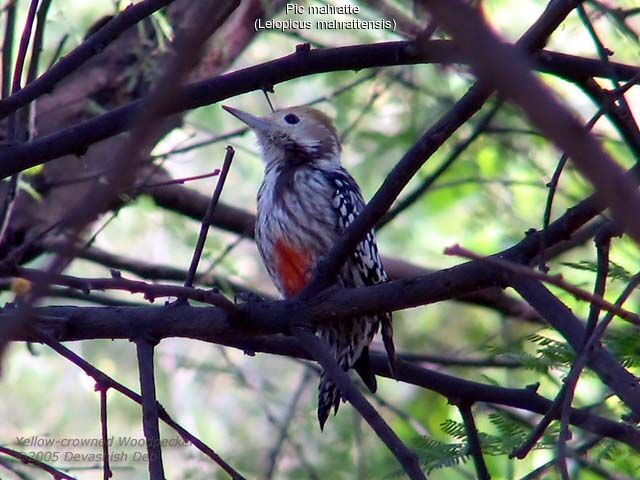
x: 291, y: 119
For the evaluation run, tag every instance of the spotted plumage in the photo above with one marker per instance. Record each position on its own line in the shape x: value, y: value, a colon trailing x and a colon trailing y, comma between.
x: 306, y: 200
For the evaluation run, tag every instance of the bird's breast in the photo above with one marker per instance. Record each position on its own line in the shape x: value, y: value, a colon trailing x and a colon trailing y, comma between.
x: 295, y: 226
x: 292, y: 266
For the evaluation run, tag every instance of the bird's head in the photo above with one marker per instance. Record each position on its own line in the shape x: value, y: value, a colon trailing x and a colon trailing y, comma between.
x: 293, y: 136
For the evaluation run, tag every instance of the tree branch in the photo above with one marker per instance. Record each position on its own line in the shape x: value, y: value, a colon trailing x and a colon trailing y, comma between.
x: 144, y: 350
x: 83, y: 52
x: 77, y: 139
x: 560, y: 317
x: 348, y: 390
x: 212, y: 325
x: 473, y: 439
x: 208, y: 218
x: 106, y: 381
x: 27, y: 460
x: 508, y: 71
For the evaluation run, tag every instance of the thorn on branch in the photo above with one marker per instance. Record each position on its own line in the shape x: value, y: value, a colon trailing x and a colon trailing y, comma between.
x: 533, y: 387
x: 303, y: 48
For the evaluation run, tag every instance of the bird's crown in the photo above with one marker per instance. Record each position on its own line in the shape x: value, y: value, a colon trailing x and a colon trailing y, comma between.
x: 294, y: 135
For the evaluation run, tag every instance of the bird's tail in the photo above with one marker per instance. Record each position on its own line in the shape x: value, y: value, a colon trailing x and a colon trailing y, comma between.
x: 387, y: 340
x: 328, y: 394
x: 349, y: 343
x: 328, y: 398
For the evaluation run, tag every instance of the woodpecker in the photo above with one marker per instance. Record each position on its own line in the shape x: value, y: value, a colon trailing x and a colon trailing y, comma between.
x: 306, y: 200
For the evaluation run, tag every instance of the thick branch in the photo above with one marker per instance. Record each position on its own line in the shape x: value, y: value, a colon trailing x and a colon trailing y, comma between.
x: 193, y: 204
x: 534, y: 38
x: 87, y: 49
x: 212, y: 325
x: 78, y: 138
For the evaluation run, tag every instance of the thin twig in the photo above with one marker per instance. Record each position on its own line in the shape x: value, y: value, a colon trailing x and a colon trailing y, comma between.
x: 474, y: 448
x: 117, y: 282
x: 59, y: 293
x: 274, y: 451
x: 460, y: 362
x: 221, y: 256
x: 83, y: 52
x: 241, y: 131
x: 368, y: 105
x: 258, y: 392
x: 27, y: 460
x: 38, y: 38
x: 150, y: 426
x: 155, y: 272
x: 562, y: 401
x: 603, y: 245
x: 619, y: 16
x: 178, y: 181
x: 603, y: 54
x: 57, y: 53
x: 555, y: 280
x: 416, y: 425
x: 319, y: 352
x: 208, y: 218
x: 134, y: 190
x: 7, y: 49
x: 106, y: 470
x: 455, y: 153
x: 23, y: 46
x: 626, y: 126
x: 540, y: 427
x: 358, y: 445
x: 538, y: 473
x: 605, y: 108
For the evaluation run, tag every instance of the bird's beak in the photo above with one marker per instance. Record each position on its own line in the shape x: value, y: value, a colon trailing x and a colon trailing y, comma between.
x: 256, y: 123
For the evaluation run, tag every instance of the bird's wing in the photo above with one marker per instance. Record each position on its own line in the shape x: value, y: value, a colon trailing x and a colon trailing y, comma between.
x: 365, y: 266
x: 348, y: 203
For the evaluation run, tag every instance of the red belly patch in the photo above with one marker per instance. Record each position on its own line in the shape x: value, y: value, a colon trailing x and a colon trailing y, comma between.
x: 292, y: 267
